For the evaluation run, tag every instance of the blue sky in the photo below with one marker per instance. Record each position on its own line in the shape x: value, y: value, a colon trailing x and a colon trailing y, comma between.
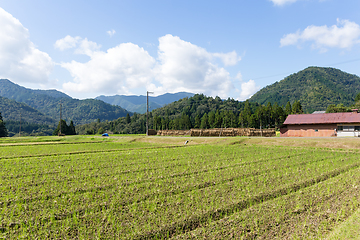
x: 219, y: 48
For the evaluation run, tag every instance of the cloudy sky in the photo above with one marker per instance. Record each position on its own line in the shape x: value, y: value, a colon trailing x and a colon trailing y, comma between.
x: 88, y: 48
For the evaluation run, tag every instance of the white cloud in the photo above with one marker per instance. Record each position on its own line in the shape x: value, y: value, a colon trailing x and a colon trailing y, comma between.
x: 282, y: 2
x: 20, y: 60
x: 229, y: 59
x: 186, y: 67
x: 82, y: 46
x: 181, y: 66
x: 343, y: 35
x: 87, y: 47
x: 118, y: 70
x: 67, y: 42
x: 239, y: 76
x: 248, y: 89
x: 111, y: 32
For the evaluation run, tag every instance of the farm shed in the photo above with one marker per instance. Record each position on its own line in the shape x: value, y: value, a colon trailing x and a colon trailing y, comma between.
x: 322, y: 125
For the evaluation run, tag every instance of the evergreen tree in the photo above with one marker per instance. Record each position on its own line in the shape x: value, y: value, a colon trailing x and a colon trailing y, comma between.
x: 211, y: 119
x: 288, y: 109
x: 242, y: 120
x: 197, y: 121
x: 204, y: 122
x: 163, y: 124
x: 61, y: 128
x: 128, y: 118
x: 157, y: 122
x: 65, y: 129
x: 297, y: 108
x: 259, y: 117
x: 226, y: 119
x: 246, y: 114
x: 218, y: 119
x: 185, y: 121
x: 167, y: 122
x: 71, y: 129
x: 269, y: 115
x: 3, y: 130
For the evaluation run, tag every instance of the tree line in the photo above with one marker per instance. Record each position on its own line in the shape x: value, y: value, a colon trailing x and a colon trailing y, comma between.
x: 332, y: 108
x: 3, y: 129
x: 201, y: 112
x: 198, y: 111
x: 12, y: 128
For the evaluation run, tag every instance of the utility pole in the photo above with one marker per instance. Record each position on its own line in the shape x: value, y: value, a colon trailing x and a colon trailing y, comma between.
x: 147, y: 112
x: 60, y: 118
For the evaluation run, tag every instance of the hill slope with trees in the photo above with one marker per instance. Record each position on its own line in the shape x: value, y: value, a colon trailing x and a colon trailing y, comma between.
x: 13, y: 110
x: 32, y: 122
x: 48, y: 103
x: 199, y: 111
x: 314, y: 87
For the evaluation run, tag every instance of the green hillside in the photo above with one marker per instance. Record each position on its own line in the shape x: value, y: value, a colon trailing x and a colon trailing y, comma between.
x: 11, y: 110
x: 18, y: 93
x: 315, y: 87
x: 48, y: 103
x: 198, y: 111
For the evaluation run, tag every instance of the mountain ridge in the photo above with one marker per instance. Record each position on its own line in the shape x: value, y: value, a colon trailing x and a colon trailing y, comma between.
x: 314, y: 87
x: 137, y: 104
x: 48, y: 103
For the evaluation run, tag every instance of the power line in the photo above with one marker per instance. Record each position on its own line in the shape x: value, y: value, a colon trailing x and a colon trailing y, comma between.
x: 287, y: 73
x: 339, y: 63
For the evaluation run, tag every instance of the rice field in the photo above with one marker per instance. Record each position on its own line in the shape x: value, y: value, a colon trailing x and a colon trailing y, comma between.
x: 158, y: 188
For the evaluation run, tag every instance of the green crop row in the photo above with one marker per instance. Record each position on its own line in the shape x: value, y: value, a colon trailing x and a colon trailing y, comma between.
x: 309, y: 213
x: 65, y: 148
x: 152, y: 192
x: 102, y: 171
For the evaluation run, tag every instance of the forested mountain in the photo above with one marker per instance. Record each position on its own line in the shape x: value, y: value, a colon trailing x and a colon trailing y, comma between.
x: 48, y: 103
x: 31, y: 120
x: 11, y: 110
x: 18, y: 93
x: 138, y: 103
x: 314, y: 87
x: 198, y: 111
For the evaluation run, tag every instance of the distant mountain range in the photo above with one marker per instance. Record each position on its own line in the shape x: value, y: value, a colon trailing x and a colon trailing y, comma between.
x: 138, y: 103
x: 43, y: 106
x: 315, y: 88
x: 46, y: 104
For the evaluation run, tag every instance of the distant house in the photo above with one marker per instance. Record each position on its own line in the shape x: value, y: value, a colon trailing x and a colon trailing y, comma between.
x: 345, y: 124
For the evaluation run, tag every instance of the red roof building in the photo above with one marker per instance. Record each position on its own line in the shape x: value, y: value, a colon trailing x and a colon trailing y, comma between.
x: 322, y: 125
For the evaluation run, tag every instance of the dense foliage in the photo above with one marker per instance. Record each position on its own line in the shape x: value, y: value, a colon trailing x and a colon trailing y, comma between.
x: 3, y: 129
x: 28, y: 129
x: 14, y: 111
x: 48, y: 102
x: 202, y: 112
x: 314, y: 87
x: 332, y: 108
